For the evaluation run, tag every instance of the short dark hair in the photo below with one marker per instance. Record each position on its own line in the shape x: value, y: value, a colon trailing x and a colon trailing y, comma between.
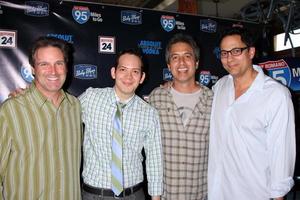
x: 180, y: 37
x: 246, y: 35
x: 46, y: 41
x: 132, y: 51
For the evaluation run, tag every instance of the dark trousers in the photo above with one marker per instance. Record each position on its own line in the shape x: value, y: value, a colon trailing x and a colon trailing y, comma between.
x: 138, y: 195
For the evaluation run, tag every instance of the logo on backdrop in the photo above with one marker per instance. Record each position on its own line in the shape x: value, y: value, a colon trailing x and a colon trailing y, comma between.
x: 26, y: 74
x: 180, y: 25
x: 237, y: 25
x: 107, y: 44
x: 217, y: 52
x: 167, y: 75
x: 85, y: 71
x: 167, y: 22
x: 96, y: 17
x: 81, y: 14
x: 208, y: 25
x: 65, y: 37
x: 205, y: 78
x: 278, y: 70
x: 131, y: 17
x: 8, y: 38
x: 36, y: 8
x: 150, y: 47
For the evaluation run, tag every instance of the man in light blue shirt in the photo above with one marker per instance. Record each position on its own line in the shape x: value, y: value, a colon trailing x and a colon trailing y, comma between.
x: 141, y: 129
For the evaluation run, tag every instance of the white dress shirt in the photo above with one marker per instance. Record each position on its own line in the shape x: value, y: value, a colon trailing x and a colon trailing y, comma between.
x: 252, y: 141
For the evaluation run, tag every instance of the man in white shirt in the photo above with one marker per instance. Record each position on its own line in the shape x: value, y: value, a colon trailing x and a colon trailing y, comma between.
x: 252, y: 134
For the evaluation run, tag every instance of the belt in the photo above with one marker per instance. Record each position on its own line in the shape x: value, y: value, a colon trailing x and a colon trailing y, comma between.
x: 110, y: 193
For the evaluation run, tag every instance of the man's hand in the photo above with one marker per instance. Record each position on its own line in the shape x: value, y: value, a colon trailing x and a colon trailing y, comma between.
x: 166, y: 84
x: 155, y: 198
x: 279, y: 198
x: 17, y: 92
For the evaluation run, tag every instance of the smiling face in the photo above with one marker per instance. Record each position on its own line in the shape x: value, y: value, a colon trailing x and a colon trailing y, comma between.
x: 182, y: 63
x: 50, y: 70
x: 237, y: 66
x: 128, y: 75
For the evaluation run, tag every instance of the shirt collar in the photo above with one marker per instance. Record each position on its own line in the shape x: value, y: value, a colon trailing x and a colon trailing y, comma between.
x: 124, y: 102
x: 115, y: 99
x: 258, y: 82
x: 40, y: 99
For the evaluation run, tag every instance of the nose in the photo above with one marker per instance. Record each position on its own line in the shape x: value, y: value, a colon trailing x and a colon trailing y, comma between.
x: 229, y: 56
x: 52, y: 69
x: 130, y: 75
x: 181, y: 59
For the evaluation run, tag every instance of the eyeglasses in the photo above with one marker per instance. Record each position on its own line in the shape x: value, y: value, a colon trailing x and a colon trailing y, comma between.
x: 233, y: 52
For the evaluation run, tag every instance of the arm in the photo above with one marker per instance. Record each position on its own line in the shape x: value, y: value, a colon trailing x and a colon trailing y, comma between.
x: 281, y: 144
x: 153, y: 151
x: 5, y: 144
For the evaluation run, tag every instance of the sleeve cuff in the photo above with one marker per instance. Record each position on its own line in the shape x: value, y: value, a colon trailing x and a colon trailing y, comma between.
x: 281, y: 188
x: 155, y: 188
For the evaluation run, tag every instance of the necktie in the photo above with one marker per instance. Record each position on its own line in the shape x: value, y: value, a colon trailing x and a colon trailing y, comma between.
x: 117, y: 145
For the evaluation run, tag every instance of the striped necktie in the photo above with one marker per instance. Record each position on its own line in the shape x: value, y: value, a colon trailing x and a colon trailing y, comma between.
x: 117, y: 145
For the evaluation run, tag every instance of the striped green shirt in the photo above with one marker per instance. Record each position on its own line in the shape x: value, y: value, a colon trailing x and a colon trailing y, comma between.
x: 40, y: 147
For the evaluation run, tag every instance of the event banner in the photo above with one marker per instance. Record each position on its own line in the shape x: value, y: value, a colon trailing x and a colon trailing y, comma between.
x: 285, y: 70
x: 98, y: 32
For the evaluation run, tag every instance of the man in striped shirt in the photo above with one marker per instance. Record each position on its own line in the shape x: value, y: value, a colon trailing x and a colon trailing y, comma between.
x: 40, y: 132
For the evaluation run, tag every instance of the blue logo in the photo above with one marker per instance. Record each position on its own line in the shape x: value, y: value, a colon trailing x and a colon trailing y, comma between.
x: 65, y: 37
x: 167, y: 76
x: 205, y: 77
x: 131, y: 17
x: 208, y: 25
x: 85, y: 71
x: 26, y: 74
x: 167, y: 22
x: 36, y: 8
x: 81, y: 14
x: 278, y: 70
x: 217, y: 52
x: 150, y: 47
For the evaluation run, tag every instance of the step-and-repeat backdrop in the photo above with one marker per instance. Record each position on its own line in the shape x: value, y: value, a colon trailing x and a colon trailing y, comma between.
x: 98, y: 32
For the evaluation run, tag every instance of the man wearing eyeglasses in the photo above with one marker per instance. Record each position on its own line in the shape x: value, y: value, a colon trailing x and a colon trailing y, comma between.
x: 252, y: 133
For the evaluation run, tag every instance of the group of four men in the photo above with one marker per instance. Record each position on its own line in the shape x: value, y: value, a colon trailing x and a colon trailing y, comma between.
x: 246, y: 126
